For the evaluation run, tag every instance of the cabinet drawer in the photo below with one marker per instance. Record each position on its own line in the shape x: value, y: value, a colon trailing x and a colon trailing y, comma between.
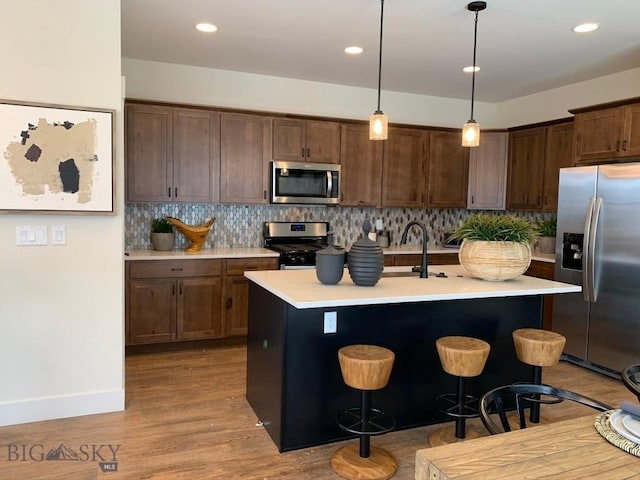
x: 237, y: 266
x: 175, y: 268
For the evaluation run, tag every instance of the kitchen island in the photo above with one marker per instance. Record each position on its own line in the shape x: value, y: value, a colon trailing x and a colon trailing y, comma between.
x: 294, y: 382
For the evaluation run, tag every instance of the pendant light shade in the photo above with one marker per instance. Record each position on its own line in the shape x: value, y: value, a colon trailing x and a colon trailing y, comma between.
x: 471, y: 129
x: 378, y: 122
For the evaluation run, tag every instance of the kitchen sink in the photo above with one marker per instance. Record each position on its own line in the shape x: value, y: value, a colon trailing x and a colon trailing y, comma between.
x: 411, y: 274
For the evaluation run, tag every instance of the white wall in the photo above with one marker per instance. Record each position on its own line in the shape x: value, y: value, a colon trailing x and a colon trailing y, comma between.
x: 221, y: 88
x: 61, y: 307
x: 555, y: 103
x: 203, y: 86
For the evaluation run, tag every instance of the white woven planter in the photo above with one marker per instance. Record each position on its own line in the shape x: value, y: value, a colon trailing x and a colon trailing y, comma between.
x: 494, y: 261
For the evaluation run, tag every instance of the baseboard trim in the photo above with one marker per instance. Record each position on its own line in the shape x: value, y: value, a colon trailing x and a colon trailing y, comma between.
x: 50, y: 408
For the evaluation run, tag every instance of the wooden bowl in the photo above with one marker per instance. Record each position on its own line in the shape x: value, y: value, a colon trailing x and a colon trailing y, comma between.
x: 196, y: 234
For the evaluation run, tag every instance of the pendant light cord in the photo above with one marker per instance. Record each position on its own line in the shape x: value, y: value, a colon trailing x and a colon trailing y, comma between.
x: 473, y: 73
x: 380, y: 53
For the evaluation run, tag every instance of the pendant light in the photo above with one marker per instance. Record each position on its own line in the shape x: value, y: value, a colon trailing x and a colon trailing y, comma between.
x: 378, y: 122
x: 471, y: 129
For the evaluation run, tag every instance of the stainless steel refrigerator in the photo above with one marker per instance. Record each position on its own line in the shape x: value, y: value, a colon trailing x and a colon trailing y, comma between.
x: 598, y: 247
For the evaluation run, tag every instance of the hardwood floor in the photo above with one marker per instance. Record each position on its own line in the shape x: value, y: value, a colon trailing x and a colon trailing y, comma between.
x: 186, y: 418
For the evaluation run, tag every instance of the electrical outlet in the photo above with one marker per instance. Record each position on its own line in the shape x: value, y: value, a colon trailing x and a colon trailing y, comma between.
x: 330, y: 322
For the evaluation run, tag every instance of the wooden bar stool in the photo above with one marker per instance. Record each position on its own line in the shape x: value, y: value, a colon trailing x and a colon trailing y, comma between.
x: 463, y: 357
x: 539, y: 348
x: 366, y: 368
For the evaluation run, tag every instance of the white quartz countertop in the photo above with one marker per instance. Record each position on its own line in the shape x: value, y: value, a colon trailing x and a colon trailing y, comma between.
x: 202, y: 254
x: 302, y: 289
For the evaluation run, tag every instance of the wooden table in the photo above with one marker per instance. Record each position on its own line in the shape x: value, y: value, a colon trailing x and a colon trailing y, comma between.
x: 570, y: 450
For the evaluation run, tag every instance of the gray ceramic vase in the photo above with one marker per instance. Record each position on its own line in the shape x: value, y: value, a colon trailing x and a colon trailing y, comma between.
x: 365, y: 259
x: 329, y: 263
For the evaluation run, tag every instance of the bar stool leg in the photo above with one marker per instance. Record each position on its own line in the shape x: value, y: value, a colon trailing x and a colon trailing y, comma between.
x: 365, y: 404
x: 462, y: 395
x: 535, y: 406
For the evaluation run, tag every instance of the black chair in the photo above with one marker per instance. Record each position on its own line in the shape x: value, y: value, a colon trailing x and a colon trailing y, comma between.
x: 630, y: 379
x: 495, y: 403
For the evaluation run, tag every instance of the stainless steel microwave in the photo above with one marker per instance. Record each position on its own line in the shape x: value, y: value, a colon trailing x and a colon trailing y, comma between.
x: 306, y: 183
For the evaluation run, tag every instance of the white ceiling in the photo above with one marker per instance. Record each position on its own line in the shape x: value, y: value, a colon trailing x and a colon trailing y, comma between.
x: 523, y: 46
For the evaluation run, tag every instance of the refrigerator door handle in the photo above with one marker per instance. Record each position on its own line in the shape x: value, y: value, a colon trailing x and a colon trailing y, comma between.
x: 593, y: 235
x: 586, y: 251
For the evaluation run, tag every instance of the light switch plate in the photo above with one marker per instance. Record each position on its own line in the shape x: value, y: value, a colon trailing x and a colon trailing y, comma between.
x: 31, y: 235
x: 58, y: 235
x: 330, y: 322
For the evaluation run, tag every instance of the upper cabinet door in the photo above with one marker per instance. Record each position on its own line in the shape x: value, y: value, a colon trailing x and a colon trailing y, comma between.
x: 196, y: 155
x: 526, y: 167
x: 488, y: 172
x: 360, y: 167
x: 448, y: 177
x: 403, y: 167
x: 305, y: 141
x: 244, y: 143
x: 149, y: 153
x: 559, y: 154
x: 631, y: 137
x: 323, y: 141
x: 598, y: 134
x: 288, y: 142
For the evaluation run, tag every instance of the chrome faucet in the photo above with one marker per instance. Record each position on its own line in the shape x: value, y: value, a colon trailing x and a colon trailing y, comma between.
x: 403, y: 240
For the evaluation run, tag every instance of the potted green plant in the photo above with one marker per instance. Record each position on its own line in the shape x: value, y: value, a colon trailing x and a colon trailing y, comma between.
x: 495, y: 247
x: 162, y: 236
x: 546, y: 231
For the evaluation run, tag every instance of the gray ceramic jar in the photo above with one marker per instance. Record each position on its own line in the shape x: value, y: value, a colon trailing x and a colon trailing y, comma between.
x: 329, y: 263
x: 365, y: 259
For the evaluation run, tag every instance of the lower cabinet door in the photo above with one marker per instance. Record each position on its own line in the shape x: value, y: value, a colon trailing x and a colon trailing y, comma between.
x: 152, y: 310
x: 237, y: 306
x: 199, y: 308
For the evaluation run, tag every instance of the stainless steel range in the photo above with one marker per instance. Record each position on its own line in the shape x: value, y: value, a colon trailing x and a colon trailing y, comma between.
x: 296, y: 242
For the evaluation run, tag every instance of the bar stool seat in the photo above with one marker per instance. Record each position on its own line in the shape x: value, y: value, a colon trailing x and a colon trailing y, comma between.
x: 462, y: 357
x: 365, y: 368
x: 538, y: 348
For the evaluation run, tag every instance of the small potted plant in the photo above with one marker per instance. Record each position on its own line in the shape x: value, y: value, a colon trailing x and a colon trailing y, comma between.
x: 495, y: 247
x: 546, y: 231
x: 162, y: 236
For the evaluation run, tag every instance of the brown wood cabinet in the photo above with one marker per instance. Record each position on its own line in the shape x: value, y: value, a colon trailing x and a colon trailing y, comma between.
x: 526, y: 169
x: 488, y: 172
x: 244, y: 164
x: 448, y: 171
x: 360, y: 168
x: 607, y: 133
x: 535, y: 158
x: 404, y: 167
x: 558, y: 154
x: 237, y: 292
x: 173, y: 300
x: 544, y: 270
x: 172, y: 154
x: 305, y: 140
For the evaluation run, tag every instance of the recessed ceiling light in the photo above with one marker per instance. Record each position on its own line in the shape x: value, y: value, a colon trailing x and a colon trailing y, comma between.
x: 585, y: 27
x: 354, y: 50
x: 471, y: 68
x: 206, y: 27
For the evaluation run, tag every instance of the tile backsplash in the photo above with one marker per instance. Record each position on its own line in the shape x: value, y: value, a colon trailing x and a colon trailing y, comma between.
x: 241, y: 225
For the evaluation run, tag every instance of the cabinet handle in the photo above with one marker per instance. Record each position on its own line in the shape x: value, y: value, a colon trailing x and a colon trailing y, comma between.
x: 624, y: 146
x: 169, y: 192
x: 264, y: 194
x: 229, y: 303
x: 538, y: 200
x: 342, y: 197
x: 173, y: 289
x: 617, y: 145
x: 181, y: 289
x: 546, y: 200
x: 302, y: 154
x: 176, y: 269
x: 308, y: 153
x: 473, y: 200
x: 176, y: 192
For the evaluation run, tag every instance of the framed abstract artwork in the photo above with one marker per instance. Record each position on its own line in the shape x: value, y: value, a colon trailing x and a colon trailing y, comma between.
x: 56, y: 159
